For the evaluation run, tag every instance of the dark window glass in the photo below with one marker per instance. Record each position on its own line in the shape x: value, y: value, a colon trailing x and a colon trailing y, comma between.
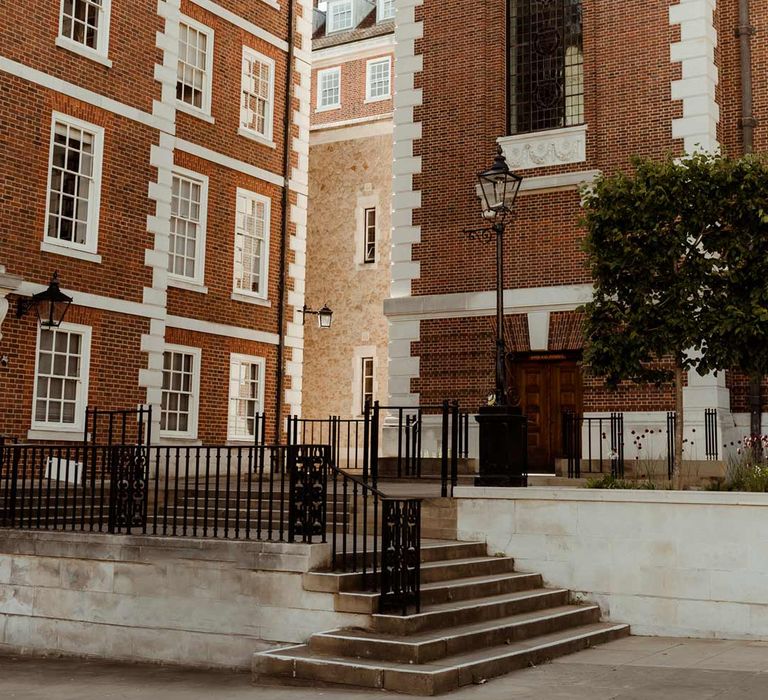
x: 546, y: 64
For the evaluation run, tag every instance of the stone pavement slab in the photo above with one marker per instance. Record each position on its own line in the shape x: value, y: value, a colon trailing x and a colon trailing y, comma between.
x: 635, y: 668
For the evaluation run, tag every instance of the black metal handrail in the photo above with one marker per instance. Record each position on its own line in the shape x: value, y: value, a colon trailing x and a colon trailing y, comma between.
x: 378, y: 537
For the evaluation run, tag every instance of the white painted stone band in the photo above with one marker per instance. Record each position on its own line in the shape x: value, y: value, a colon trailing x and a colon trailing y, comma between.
x: 468, y: 304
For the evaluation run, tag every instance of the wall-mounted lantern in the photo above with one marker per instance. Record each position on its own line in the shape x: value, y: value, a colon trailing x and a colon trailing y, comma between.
x: 50, y: 306
x: 324, y: 316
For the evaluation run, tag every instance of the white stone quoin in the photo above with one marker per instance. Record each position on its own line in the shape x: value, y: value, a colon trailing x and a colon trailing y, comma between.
x: 8, y: 284
x: 697, y: 88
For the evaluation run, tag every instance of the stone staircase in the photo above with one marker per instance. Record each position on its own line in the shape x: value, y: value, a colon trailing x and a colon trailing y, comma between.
x: 479, y: 619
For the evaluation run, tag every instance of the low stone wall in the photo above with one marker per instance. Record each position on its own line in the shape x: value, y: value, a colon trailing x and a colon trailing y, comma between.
x: 673, y: 563
x: 191, y: 602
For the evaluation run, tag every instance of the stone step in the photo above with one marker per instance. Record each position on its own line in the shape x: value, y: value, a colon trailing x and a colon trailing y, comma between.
x: 455, y: 613
x: 444, y: 675
x: 429, y: 552
x: 477, y: 587
x: 444, y: 591
x: 431, y: 572
x: 438, y: 644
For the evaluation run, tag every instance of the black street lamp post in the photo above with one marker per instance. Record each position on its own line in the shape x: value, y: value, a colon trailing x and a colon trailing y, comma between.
x: 498, y: 189
x: 503, y: 428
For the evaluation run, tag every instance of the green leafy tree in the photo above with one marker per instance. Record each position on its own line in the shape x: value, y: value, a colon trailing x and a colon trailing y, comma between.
x: 678, y: 251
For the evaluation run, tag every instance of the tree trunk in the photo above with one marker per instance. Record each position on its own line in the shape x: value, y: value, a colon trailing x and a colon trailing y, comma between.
x: 679, y: 426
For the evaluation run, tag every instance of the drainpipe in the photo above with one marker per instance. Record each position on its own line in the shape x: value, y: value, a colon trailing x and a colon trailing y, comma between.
x: 745, y: 31
x: 286, y: 220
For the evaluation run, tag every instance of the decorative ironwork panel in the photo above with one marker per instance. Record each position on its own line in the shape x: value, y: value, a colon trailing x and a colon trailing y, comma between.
x: 546, y: 64
x: 308, y: 467
x: 401, y: 556
x: 128, y: 492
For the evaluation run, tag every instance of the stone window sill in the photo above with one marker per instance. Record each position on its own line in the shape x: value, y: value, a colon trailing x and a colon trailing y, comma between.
x: 543, y: 149
x: 70, y: 252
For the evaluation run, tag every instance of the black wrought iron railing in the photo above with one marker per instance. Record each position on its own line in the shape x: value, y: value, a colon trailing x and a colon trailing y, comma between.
x: 356, y: 443
x: 710, y: 434
x: 345, y: 436
x: 221, y: 491
x: 409, y: 459
x: 598, y: 440
x: 285, y: 493
x: 377, y: 537
x: 601, y: 442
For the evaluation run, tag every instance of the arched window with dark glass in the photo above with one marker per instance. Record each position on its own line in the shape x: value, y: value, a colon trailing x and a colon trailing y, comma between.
x: 546, y: 65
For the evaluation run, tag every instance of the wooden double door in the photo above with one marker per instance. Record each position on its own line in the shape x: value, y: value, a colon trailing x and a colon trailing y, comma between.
x: 548, y: 385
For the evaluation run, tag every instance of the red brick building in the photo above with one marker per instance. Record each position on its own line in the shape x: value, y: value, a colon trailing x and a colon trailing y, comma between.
x: 155, y: 155
x: 568, y: 88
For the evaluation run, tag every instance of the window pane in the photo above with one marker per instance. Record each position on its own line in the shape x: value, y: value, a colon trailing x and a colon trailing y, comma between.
x: 256, y: 105
x: 340, y: 15
x: 250, y: 245
x: 546, y: 84
x: 72, y: 184
x: 81, y: 21
x: 58, y: 375
x: 329, y: 87
x: 186, y: 226
x: 244, y: 405
x: 191, y: 71
x: 177, y: 396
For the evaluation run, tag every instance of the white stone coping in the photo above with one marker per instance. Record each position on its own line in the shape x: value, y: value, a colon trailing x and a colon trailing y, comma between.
x: 257, y: 554
x: 547, y: 493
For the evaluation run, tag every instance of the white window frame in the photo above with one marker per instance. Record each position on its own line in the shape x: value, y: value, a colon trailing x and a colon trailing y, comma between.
x: 368, y: 83
x: 81, y: 400
x: 331, y: 5
x: 197, y: 282
x: 243, y: 130
x: 204, y: 111
x: 363, y: 363
x: 194, y: 404
x: 320, y: 75
x: 370, y: 199
x: 358, y: 354
x: 380, y: 16
x: 367, y: 231
x: 100, y: 54
x: 244, y: 294
x: 88, y: 250
x: 237, y: 359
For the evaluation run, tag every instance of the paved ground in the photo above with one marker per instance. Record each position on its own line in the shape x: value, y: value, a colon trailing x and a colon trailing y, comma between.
x: 636, y: 668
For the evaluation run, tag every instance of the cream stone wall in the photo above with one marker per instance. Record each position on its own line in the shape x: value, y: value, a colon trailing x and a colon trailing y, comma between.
x: 345, y: 177
x: 669, y: 563
x: 203, y: 603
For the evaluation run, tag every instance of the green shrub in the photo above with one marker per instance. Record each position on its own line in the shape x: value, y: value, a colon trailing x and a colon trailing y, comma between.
x: 608, y: 481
